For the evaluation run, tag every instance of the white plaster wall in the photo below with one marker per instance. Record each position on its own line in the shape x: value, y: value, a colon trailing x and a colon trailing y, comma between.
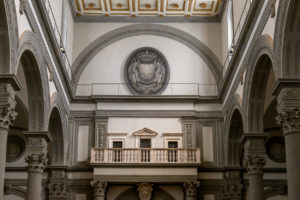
x: 70, y: 32
x: 185, y: 66
x: 270, y: 25
x: 208, y: 33
x: 23, y: 24
x: 224, y: 35
x: 56, y: 6
x: 131, y: 125
x: 238, y: 6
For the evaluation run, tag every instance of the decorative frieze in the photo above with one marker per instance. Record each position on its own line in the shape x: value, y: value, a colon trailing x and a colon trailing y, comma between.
x: 232, y: 190
x: 191, y: 188
x: 145, y: 191
x: 100, y: 132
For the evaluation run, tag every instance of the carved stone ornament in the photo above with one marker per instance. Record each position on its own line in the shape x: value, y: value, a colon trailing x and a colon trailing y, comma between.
x: 190, y: 188
x: 146, y: 72
x: 145, y: 191
x: 36, y: 162
x: 232, y: 191
x: 289, y: 120
x: 99, y: 188
x: 57, y: 191
x: 255, y: 164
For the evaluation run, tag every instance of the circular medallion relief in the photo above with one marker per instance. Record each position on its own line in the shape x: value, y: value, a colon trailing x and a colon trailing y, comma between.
x: 275, y: 149
x: 146, y: 72
x: 15, y: 148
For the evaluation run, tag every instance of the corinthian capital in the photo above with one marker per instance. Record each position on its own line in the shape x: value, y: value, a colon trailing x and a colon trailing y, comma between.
x: 99, y: 188
x: 255, y: 164
x: 191, y: 188
x: 7, y: 105
x: 289, y: 109
x: 36, y: 162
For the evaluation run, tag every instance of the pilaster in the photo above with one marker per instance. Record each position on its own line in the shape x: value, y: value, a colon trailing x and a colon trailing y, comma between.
x: 232, y: 189
x: 57, y: 184
x: 189, y: 132
x: 100, y: 132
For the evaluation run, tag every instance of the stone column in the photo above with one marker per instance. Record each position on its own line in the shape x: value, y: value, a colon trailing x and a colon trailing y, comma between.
x: 100, y: 132
x: 288, y: 108
x: 255, y: 160
x: 100, y: 188
x: 7, y: 105
x: 191, y: 190
x: 36, y: 158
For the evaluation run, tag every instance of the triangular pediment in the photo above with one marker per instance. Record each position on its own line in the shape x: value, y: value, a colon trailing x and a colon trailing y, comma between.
x: 145, y: 132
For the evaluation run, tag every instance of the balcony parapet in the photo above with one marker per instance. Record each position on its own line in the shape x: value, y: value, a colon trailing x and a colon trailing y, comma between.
x: 145, y: 156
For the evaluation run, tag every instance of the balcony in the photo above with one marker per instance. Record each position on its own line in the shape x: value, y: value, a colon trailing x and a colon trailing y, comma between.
x: 145, y: 156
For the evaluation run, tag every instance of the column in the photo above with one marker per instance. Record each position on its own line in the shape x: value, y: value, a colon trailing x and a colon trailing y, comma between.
x: 255, y: 161
x: 145, y: 191
x: 191, y: 190
x: 7, y: 105
x: 288, y: 108
x: 99, y: 192
x: 36, y: 158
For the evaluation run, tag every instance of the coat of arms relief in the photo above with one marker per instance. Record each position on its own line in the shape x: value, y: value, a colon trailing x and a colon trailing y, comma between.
x: 146, y: 72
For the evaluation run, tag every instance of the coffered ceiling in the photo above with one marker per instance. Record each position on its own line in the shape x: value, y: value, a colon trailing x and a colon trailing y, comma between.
x: 109, y: 9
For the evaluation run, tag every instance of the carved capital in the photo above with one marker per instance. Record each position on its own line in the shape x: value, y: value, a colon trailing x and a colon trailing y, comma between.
x: 57, y: 191
x: 7, y: 105
x: 289, y: 120
x: 145, y: 191
x: 190, y: 188
x: 255, y: 164
x: 99, y: 188
x: 36, y: 162
x: 232, y: 190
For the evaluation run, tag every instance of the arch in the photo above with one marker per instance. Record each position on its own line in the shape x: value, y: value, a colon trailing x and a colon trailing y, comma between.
x: 235, y: 129
x: 9, y: 36
x: 259, y: 67
x: 31, y: 59
x: 56, y: 148
x: 146, y: 29
x: 57, y: 108
x: 287, y: 39
x: 132, y: 194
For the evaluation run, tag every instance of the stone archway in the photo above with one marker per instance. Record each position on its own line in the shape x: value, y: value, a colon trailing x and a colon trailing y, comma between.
x: 34, y: 67
x: 56, y: 148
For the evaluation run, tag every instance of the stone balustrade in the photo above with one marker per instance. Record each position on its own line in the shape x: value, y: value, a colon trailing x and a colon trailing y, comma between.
x: 145, y: 155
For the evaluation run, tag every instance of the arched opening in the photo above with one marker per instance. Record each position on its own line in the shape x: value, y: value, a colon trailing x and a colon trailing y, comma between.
x: 132, y: 194
x: 56, y: 148
x: 33, y: 90
x: 235, y: 150
x: 258, y: 89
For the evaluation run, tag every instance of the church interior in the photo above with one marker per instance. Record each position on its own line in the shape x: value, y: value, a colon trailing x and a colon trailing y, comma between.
x: 150, y: 99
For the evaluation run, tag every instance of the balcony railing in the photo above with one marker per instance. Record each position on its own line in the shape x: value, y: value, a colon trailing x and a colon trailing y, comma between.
x: 145, y: 155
